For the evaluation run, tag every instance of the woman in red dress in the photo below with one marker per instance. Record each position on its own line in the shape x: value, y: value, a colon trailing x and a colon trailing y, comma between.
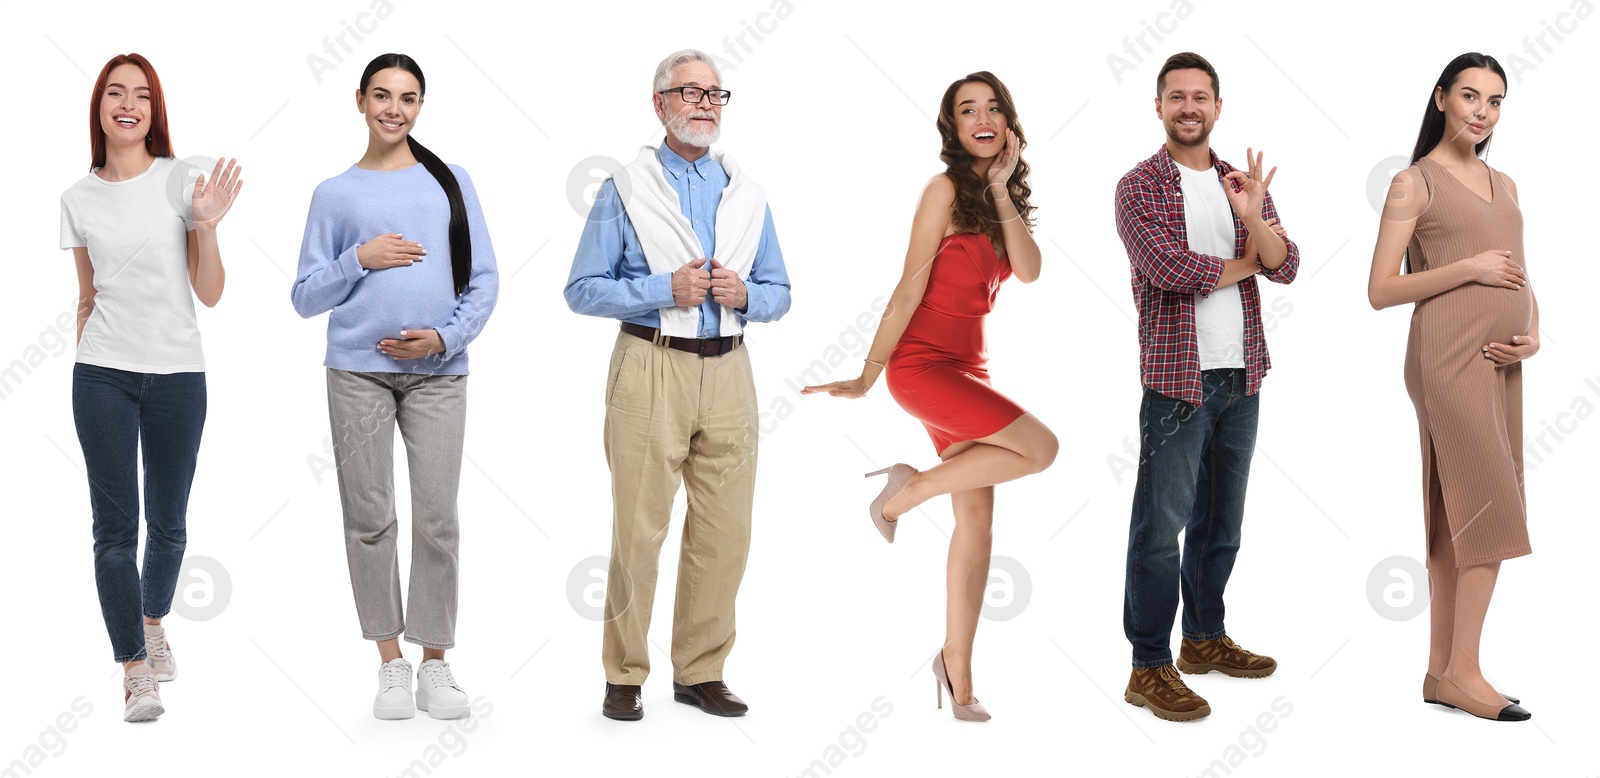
x: 972, y: 230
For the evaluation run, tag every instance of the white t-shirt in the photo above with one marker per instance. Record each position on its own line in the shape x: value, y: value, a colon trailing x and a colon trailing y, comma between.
x: 136, y: 232
x: 1218, y: 317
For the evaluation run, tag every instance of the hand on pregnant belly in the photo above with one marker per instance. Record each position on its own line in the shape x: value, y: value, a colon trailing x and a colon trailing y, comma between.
x: 1520, y: 348
x: 389, y: 250
x: 412, y: 344
x: 1496, y: 268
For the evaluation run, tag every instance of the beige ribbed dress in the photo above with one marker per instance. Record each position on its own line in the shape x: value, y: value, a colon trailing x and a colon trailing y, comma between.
x: 1469, y: 411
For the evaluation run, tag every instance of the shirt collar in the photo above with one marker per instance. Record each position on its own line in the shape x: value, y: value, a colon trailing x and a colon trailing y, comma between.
x: 1169, y: 168
x: 677, y: 166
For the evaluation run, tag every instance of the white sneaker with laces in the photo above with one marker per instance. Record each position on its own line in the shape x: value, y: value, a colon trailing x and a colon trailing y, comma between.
x: 159, y: 653
x: 394, y: 691
x: 140, y: 695
x: 437, y: 692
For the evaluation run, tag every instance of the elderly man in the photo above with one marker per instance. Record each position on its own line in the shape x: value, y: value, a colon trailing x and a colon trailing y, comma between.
x: 680, y: 247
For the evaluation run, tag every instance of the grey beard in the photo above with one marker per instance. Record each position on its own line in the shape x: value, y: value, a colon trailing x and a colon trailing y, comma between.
x: 680, y: 130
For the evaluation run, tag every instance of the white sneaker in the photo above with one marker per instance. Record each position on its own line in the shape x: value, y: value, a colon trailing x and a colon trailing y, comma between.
x: 437, y: 692
x: 159, y: 653
x: 394, y: 691
x: 142, y: 700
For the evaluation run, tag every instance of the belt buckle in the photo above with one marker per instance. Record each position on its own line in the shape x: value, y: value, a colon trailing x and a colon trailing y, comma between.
x: 701, y: 349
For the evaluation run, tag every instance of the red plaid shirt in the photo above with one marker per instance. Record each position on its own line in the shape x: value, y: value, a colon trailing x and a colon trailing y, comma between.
x: 1167, y: 276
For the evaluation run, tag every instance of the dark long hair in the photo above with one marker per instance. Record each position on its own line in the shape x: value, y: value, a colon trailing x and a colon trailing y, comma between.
x: 156, y: 141
x: 460, y: 232
x: 974, y: 212
x: 1433, y: 119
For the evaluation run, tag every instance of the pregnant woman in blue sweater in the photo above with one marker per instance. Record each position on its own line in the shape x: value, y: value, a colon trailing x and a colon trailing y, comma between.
x: 396, y: 247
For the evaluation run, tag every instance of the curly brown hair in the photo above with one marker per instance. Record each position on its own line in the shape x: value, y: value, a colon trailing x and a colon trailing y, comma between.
x: 974, y: 212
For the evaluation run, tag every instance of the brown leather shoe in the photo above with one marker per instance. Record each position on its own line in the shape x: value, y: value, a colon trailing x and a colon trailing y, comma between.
x: 712, y: 697
x: 1162, y: 690
x: 1203, y: 656
x: 622, y: 703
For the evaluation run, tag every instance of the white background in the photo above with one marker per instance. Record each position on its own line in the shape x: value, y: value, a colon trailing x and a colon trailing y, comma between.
x: 831, y: 111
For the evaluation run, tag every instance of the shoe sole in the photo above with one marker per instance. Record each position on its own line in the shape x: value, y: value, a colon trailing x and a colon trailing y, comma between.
x: 167, y: 677
x: 1436, y: 702
x: 442, y: 711
x: 634, y: 716
x: 1201, y: 669
x: 393, y: 714
x: 689, y: 700
x: 1138, y: 701
x: 445, y: 711
x: 1474, y: 715
x: 144, y: 711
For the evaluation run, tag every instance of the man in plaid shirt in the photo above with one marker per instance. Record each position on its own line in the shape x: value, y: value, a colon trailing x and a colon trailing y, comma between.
x: 1197, y: 231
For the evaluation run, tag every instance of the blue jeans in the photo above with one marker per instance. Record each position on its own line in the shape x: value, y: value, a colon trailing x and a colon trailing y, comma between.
x: 1194, y: 464
x: 117, y: 412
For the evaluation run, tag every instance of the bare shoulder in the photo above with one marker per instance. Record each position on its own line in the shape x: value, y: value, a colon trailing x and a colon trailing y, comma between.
x: 940, y: 189
x: 1408, y: 195
x: 937, y: 205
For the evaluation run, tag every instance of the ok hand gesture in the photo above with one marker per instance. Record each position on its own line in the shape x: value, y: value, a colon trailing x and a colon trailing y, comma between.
x: 1247, y: 193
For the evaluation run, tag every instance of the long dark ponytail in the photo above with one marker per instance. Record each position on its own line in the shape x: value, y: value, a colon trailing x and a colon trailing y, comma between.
x: 1433, y: 119
x: 460, y: 232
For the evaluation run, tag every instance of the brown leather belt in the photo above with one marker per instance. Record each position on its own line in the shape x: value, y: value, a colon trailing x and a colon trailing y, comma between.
x: 705, y: 347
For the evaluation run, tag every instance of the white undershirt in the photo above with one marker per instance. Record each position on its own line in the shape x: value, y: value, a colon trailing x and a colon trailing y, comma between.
x: 1218, y: 317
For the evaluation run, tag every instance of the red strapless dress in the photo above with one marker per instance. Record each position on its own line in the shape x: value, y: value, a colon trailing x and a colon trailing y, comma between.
x: 939, y: 371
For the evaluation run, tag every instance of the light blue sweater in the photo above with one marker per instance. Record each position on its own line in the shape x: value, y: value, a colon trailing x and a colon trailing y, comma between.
x: 371, y: 305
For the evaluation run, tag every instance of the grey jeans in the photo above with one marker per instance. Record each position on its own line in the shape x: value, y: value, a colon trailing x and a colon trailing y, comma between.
x: 431, y: 410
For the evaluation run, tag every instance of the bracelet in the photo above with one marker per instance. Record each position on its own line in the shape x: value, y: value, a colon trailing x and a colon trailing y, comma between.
x: 871, y: 361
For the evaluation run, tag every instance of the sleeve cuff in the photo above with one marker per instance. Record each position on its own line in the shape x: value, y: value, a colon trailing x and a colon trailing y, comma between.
x: 452, y: 346
x: 756, y: 303
x: 351, y: 265
x: 1213, y: 273
x: 658, y: 290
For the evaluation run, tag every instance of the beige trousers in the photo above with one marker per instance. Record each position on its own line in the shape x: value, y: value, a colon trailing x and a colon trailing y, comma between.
x: 673, y: 417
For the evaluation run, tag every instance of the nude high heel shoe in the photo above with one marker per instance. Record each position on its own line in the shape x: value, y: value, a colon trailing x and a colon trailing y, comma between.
x: 973, y: 712
x: 898, y: 476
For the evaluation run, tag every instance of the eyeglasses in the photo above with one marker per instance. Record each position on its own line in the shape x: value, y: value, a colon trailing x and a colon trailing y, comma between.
x: 694, y: 94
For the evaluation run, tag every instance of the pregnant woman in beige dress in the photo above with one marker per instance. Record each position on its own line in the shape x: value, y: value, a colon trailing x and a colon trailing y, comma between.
x: 1451, y: 242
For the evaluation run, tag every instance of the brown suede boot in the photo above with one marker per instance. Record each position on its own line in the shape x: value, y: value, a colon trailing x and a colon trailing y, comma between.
x: 1162, y: 690
x: 1203, y: 656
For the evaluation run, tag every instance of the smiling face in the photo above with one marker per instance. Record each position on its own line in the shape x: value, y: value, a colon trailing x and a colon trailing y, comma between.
x: 391, y: 104
x: 699, y: 124
x: 979, y: 120
x: 1472, y: 105
x: 1188, y: 106
x: 126, y: 105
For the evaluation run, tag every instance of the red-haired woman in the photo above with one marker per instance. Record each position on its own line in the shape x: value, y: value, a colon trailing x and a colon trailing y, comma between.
x: 142, y: 239
x: 972, y: 230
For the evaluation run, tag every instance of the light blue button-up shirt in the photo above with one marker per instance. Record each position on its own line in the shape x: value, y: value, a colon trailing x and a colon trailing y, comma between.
x: 611, y: 277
